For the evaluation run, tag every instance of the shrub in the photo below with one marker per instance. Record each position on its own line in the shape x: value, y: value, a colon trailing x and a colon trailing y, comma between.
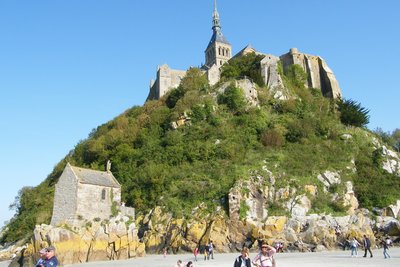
x: 233, y: 98
x: 295, y: 75
x: 244, y: 66
x: 299, y: 129
x: 243, y: 209
x: 194, y: 80
x: 272, y: 138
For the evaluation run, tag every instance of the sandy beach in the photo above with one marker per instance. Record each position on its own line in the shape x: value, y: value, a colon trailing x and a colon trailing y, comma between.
x: 326, y: 259
x: 331, y: 258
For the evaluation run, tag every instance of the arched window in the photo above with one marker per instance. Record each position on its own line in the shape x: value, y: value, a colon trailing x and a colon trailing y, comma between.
x: 219, y: 51
x: 103, y: 194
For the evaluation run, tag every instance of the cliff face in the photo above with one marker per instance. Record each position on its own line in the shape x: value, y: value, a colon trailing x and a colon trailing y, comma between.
x: 94, y: 241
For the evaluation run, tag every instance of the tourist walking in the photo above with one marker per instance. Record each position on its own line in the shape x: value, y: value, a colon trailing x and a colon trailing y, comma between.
x: 195, y: 253
x: 211, y: 250
x: 367, y: 246
x: 243, y: 260
x: 266, y: 257
x: 189, y: 264
x: 165, y: 252
x: 206, y: 253
x: 386, y: 244
x: 354, y: 244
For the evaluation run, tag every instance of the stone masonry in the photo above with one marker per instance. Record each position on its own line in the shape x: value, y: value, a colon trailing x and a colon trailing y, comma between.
x: 83, y: 194
x: 219, y: 51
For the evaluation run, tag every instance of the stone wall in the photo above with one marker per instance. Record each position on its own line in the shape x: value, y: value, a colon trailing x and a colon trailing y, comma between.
x: 91, y: 203
x: 167, y: 78
x: 213, y: 75
x: 65, y: 198
x: 249, y: 89
x: 320, y: 76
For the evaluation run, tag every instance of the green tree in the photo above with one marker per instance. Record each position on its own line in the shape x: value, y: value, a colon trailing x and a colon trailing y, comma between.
x: 234, y: 98
x: 296, y: 75
x: 396, y: 138
x: 244, y: 66
x: 352, y: 113
x: 194, y: 79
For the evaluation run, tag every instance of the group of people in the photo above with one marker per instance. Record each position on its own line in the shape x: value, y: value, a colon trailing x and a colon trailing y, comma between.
x: 263, y: 259
x: 180, y: 264
x: 366, y: 243
x: 47, y: 257
x: 209, y: 251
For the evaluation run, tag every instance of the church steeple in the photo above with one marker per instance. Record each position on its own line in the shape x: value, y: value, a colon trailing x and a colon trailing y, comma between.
x: 219, y: 50
x: 216, y: 18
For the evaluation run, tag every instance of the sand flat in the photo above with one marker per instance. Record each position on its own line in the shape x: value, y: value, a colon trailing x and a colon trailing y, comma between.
x: 318, y: 259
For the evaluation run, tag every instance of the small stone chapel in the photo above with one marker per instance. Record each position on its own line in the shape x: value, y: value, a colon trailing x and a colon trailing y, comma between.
x: 84, y: 194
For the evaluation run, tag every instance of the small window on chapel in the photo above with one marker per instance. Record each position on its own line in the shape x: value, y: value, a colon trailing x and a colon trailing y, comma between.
x: 103, y: 194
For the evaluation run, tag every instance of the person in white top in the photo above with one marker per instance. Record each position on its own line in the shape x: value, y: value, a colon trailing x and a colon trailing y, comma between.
x: 354, y: 244
x: 265, y: 257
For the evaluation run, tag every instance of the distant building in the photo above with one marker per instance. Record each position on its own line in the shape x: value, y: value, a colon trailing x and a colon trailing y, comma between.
x: 84, y: 194
x: 219, y: 52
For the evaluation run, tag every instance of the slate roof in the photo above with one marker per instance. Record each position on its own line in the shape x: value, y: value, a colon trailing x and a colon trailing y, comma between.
x: 218, y: 37
x: 87, y: 176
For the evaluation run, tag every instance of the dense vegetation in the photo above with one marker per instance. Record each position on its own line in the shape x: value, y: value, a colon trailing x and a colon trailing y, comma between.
x: 224, y: 140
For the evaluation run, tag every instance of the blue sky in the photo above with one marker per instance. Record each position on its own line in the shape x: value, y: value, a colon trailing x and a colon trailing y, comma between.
x: 68, y: 66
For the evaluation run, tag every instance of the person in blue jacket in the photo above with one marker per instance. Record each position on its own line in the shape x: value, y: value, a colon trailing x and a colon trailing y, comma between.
x: 51, y: 259
x: 42, y: 259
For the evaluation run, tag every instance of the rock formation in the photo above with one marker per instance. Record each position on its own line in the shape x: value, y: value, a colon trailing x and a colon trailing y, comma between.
x: 92, y: 241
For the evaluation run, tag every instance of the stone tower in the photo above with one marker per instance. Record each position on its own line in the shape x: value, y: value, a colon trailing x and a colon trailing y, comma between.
x: 219, y: 50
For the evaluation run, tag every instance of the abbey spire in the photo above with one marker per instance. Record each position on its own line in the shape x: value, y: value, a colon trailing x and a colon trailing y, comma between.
x: 215, y: 17
x: 219, y: 50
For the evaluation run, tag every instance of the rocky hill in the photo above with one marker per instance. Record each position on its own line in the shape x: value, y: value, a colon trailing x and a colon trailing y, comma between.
x: 233, y: 164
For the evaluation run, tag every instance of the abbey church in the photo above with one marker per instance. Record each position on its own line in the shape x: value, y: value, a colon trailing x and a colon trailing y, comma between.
x: 219, y: 52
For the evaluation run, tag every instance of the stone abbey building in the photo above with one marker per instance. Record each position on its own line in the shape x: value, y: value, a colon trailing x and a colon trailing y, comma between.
x: 219, y: 52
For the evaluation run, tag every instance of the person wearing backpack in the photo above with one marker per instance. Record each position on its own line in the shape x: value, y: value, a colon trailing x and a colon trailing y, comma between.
x: 243, y: 260
x: 266, y: 257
